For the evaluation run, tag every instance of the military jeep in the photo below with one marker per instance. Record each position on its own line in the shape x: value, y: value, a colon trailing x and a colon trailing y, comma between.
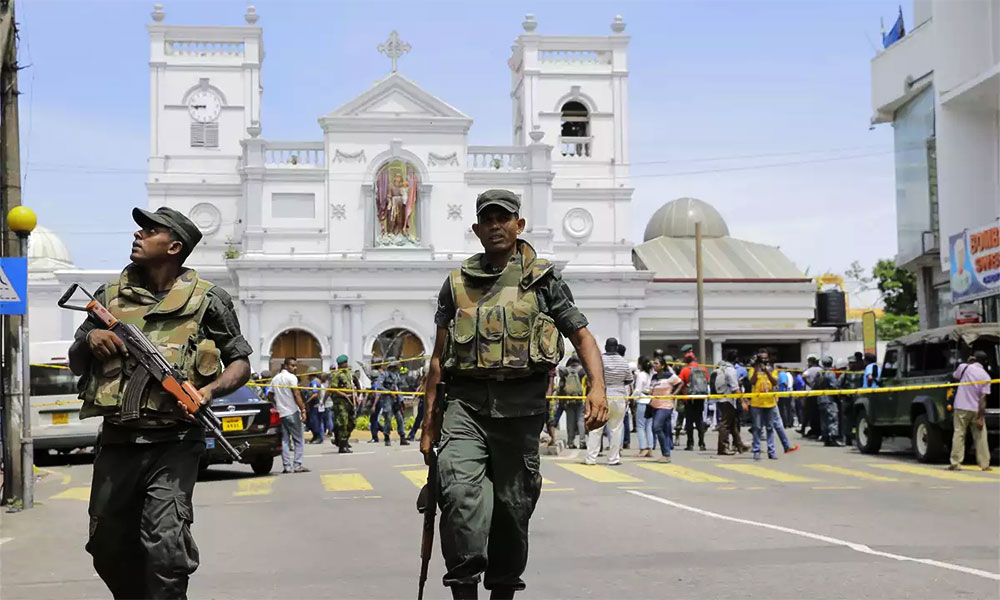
x: 926, y: 357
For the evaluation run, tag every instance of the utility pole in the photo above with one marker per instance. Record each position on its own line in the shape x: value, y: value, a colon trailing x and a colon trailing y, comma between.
x: 10, y: 246
x: 701, y: 294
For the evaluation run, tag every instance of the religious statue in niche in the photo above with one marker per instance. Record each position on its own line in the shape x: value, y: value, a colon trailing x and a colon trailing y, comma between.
x: 396, y: 191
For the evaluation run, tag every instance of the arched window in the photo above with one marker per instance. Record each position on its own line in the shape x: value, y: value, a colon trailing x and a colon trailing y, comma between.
x: 299, y: 344
x: 575, y: 133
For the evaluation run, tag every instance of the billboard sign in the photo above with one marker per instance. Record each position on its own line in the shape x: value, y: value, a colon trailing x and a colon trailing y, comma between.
x: 975, y: 263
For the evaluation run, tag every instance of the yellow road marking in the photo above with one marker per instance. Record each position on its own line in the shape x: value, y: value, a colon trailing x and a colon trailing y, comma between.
x: 65, y: 476
x: 408, y: 466
x: 557, y: 489
x: 345, y: 482
x: 599, y: 473
x: 851, y: 473
x: 935, y: 472
x: 727, y: 487
x: 640, y: 487
x: 258, y: 486
x: 417, y: 476
x: 547, y: 481
x: 836, y: 487
x: 685, y: 473
x: 73, y: 493
x: 765, y: 473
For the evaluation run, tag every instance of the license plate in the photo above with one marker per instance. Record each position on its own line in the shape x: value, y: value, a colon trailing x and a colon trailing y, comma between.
x: 232, y: 423
x: 60, y: 418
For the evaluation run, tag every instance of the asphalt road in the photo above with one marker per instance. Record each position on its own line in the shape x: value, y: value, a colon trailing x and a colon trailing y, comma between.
x: 819, y: 523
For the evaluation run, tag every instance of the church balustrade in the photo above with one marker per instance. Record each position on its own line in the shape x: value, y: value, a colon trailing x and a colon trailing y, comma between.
x: 200, y: 48
x: 294, y: 154
x: 586, y: 57
x: 497, y: 158
x: 574, y: 147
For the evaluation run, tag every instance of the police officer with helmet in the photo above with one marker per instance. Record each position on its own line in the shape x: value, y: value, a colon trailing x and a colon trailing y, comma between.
x: 147, y: 463
x: 501, y: 318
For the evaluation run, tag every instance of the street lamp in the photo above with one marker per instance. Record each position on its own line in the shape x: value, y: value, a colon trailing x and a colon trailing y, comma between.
x: 22, y: 221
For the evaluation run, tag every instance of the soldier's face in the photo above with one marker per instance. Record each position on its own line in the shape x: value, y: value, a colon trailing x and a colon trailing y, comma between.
x: 497, y: 229
x: 152, y: 244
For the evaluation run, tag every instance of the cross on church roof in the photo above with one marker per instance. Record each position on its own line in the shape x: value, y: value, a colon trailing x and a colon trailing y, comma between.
x: 394, y: 48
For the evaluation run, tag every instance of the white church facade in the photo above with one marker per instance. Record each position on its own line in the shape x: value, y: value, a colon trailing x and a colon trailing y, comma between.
x: 340, y: 244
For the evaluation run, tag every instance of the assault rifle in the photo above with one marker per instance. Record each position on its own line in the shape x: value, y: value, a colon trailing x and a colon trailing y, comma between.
x: 152, y: 365
x: 427, y: 500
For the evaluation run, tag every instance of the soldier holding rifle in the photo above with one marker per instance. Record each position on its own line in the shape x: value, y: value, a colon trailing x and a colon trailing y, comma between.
x: 501, y: 319
x: 150, y: 447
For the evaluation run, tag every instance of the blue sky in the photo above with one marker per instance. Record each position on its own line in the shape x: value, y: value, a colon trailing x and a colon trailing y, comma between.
x: 760, y: 108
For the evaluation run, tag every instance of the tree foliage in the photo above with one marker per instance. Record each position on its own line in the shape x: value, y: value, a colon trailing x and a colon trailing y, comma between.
x: 891, y: 326
x: 898, y: 288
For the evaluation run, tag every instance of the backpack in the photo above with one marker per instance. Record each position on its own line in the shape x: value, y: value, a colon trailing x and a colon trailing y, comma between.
x: 572, y: 384
x: 697, y: 381
x: 714, y: 379
x: 821, y: 381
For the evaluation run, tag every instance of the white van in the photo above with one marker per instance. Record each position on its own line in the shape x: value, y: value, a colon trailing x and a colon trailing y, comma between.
x: 55, y: 409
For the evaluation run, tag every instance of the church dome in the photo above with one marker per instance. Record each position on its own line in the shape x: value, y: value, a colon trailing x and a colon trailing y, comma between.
x: 47, y: 252
x: 676, y: 219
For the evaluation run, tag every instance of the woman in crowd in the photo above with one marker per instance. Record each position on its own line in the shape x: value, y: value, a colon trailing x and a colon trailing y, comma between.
x: 644, y: 424
x: 665, y: 384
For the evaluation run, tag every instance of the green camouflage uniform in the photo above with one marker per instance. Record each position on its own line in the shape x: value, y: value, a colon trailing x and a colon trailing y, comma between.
x: 147, y: 460
x: 343, y: 406
x: 505, y: 335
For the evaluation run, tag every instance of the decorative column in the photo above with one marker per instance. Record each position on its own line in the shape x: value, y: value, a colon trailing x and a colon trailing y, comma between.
x: 716, y: 352
x: 356, y: 341
x: 253, y: 191
x: 336, y: 329
x: 253, y: 329
x: 540, y: 192
x: 625, y: 331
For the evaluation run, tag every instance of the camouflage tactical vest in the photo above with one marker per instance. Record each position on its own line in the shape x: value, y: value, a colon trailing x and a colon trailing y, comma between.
x: 173, y: 325
x: 498, y: 329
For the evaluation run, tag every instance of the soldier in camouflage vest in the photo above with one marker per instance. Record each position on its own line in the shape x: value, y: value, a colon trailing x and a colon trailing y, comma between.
x: 343, y: 405
x: 501, y: 319
x: 147, y: 459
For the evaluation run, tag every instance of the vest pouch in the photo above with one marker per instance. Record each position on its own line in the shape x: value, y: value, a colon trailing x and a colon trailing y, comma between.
x: 108, y: 382
x: 546, y: 342
x: 490, y: 337
x: 517, y: 336
x: 206, y: 363
x: 463, y: 335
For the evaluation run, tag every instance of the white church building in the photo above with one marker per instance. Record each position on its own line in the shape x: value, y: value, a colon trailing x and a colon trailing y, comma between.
x: 340, y: 244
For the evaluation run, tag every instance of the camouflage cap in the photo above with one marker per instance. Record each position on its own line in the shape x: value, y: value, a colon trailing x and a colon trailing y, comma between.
x: 505, y: 199
x: 185, y: 229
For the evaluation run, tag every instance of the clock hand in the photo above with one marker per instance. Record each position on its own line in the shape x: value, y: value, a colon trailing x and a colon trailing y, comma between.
x: 196, y: 106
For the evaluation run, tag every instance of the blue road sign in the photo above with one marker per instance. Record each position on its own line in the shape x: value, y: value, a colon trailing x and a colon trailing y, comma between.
x: 13, y: 286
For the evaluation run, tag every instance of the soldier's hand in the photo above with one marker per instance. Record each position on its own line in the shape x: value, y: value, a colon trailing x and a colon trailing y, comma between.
x: 105, y: 345
x: 595, y: 412
x: 427, y: 434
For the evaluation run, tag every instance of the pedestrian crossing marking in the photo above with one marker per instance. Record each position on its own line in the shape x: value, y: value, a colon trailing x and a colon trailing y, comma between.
x: 345, y: 482
x: 73, y: 493
x: 417, y: 476
x: 684, y: 473
x: 934, y: 472
x: 851, y: 473
x: 258, y: 486
x: 765, y: 473
x: 599, y: 473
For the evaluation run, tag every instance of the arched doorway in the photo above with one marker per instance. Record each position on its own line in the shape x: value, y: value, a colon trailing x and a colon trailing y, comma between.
x: 300, y: 344
x: 399, y: 344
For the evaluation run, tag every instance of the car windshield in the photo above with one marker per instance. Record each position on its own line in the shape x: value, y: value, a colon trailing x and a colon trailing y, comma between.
x: 52, y: 380
x: 244, y: 394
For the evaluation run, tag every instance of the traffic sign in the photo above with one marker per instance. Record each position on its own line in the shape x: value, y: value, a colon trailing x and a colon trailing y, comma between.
x: 13, y: 286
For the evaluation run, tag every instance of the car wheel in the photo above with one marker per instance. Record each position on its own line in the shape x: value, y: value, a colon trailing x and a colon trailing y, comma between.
x: 262, y: 465
x: 868, y: 440
x: 928, y: 441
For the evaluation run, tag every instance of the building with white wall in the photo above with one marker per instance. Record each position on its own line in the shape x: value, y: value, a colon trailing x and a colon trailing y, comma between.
x: 939, y: 86
x: 340, y: 244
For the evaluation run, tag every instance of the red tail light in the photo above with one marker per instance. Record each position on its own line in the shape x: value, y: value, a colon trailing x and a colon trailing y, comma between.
x: 275, y: 418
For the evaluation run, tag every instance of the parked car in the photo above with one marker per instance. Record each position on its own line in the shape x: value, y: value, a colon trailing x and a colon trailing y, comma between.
x: 926, y: 357
x: 55, y: 408
x: 246, y: 418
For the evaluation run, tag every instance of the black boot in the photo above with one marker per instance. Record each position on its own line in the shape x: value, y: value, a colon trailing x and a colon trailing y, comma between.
x: 502, y: 593
x: 404, y: 442
x: 345, y: 448
x: 465, y: 592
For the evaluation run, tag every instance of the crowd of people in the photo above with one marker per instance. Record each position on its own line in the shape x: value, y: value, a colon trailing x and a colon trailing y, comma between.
x: 647, y: 399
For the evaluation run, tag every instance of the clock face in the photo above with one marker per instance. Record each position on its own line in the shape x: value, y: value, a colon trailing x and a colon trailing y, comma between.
x: 204, y: 106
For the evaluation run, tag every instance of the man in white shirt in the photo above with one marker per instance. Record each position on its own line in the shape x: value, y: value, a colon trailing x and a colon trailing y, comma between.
x: 292, y: 411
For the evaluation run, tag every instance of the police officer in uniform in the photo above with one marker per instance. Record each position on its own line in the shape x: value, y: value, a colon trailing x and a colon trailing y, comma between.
x: 343, y: 405
x: 500, y: 319
x: 147, y: 462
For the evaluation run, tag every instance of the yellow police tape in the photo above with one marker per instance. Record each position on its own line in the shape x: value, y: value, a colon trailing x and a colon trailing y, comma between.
x: 851, y: 392
x: 48, y: 366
